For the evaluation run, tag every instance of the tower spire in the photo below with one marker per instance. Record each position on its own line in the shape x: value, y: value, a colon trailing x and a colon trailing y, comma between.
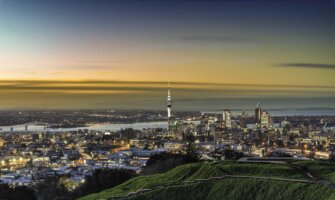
x: 168, y: 88
x: 169, y: 102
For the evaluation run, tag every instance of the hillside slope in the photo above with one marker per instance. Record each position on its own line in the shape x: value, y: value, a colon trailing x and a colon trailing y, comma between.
x: 244, y: 181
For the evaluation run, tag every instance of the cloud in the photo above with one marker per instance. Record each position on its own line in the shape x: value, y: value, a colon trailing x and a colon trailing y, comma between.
x: 154, y: 90
x: 220, y: 39
x: 93, y: 65
x: 109, y: 94
x: 307, y: 65
x: 15, y: 84
x: 89, y: 67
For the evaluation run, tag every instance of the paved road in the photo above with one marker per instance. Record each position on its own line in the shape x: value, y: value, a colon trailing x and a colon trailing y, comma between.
x: 247, y: 160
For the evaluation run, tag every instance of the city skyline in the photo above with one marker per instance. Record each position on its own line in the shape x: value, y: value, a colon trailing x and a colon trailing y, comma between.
x: 167, y: 99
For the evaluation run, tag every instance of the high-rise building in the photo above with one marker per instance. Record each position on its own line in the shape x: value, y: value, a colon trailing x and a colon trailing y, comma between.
x: 265, y: 119
x: 258, y: 112
x: 285, y: 123
x: 227, y: 118
x: 243, y: 119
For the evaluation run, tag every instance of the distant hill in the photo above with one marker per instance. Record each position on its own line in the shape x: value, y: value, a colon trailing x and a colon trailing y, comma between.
x: 231, y: 180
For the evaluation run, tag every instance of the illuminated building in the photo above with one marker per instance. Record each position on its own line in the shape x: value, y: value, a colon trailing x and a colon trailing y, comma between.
x: 227, y: 118
x: 265, y: 119
x: 258, y: 113
x: 243, y: 120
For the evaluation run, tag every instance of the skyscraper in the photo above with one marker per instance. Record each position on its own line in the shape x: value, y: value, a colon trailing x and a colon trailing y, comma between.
x: 258, y: 113
x: 227, y: 118
x: 243, y: 119
x: 265, y: 119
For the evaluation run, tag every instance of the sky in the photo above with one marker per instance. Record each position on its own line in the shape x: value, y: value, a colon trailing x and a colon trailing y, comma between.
x: 120, y: 54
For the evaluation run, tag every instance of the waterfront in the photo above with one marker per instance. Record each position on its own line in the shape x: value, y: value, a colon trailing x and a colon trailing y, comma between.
x: 97, y: 127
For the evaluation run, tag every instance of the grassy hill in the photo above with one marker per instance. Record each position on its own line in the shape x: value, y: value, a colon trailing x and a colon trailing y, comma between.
x: 323, y: 170
x: 173, y: 186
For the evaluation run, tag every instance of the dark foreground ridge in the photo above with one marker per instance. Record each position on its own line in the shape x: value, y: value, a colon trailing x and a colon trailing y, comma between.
x: 184, y: 183
x: 231, y: 180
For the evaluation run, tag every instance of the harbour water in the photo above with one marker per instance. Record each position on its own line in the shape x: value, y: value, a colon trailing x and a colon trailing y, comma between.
x: 97, y: 127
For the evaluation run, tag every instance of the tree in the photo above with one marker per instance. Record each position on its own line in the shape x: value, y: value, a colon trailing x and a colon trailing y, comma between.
x: 231, y: 154
x: 102, y: 179
x: 163, y: 162
x: 20, y: 192
x: 53, y: 188
x: 190, y: 149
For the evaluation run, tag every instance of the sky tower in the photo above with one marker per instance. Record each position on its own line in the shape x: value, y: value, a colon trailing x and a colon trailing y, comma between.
x: 169, y: 102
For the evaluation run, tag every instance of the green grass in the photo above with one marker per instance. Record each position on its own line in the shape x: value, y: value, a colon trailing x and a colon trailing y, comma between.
x: 232, y: 188
x: 242, y: 189
x: 322, y: 169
